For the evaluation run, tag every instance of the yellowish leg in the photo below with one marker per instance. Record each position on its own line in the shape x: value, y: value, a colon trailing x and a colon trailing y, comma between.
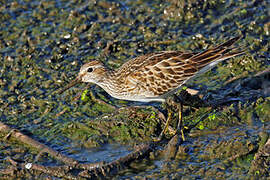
x: 180, y: 128
x: 180, y: 121
x: 165, y: 129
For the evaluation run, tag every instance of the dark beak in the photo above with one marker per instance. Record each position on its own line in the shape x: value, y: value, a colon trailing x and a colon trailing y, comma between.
x: 71, y: 84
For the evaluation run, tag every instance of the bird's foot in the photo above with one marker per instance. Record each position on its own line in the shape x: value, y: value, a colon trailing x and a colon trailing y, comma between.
x: 157, y: 139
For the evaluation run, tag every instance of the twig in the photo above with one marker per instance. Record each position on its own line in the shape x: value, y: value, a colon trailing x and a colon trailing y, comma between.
x: 98, y: 170
x: 57, y: 171
x: 27, y: 140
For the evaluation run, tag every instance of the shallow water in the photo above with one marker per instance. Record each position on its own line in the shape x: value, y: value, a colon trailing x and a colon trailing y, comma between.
x: 107, y: 153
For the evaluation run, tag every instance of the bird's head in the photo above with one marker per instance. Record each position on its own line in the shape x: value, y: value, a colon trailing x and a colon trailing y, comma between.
x: 92, y: 72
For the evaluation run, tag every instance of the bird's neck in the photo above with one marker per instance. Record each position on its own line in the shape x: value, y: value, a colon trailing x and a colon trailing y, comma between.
x: 110, y: 82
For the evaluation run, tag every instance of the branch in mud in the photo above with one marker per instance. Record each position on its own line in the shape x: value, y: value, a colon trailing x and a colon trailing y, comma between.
x: 21, y: 168
x: 81, y: 170
x: 31, y: 142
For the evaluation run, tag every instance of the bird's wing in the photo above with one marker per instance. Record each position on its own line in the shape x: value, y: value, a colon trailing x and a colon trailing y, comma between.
x: 165, y: 71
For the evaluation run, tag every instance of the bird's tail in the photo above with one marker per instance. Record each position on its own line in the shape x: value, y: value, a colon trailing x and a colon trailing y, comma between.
x: 206, y: 60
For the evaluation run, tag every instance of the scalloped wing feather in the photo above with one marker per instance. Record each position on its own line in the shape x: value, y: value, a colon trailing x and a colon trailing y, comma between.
x: 157, y: 74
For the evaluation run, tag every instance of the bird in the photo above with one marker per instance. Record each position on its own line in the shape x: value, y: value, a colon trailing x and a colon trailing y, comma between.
x: 154, y: 77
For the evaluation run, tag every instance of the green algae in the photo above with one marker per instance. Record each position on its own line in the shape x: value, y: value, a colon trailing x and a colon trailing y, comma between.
x: 125, y: 127
x: 263, y: 110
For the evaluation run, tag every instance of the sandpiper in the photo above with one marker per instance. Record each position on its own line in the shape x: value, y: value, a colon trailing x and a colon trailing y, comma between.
x: 155, y: 76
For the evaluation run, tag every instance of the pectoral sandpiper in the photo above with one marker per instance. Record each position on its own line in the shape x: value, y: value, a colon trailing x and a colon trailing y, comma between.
x: 155, y: 76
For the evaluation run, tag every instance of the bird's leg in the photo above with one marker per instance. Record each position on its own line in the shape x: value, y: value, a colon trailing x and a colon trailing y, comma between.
x: 171, y: 104
x: 179, y: 104
x: 180, y: 121
x: 169, y: 108
x: 164, y: 130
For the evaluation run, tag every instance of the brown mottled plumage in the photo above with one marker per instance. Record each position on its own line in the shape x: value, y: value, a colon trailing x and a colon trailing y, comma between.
x: 154, y: 76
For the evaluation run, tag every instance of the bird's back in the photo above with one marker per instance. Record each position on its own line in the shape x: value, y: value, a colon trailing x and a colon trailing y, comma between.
x: 151, y: 77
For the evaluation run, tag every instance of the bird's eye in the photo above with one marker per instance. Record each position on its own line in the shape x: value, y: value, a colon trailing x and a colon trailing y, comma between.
x: 90, y: 70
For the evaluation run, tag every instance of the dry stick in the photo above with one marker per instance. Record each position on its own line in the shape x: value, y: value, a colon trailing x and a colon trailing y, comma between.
x: 57, y: 171
x: 27, y: 140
